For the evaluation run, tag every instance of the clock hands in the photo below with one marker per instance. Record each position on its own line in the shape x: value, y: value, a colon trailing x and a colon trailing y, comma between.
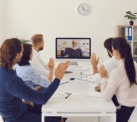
x: 84, y: 9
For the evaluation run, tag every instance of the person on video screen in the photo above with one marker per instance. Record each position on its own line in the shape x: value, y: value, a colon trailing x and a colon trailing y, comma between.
x: 74, y: 52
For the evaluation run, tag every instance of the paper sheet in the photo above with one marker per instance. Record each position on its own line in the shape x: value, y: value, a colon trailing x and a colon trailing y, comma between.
x: 87, y: 72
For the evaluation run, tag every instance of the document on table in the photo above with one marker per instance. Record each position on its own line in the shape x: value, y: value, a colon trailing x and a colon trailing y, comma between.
x: 94, y: 94
x: 78, y: 69
x: 63, y: 94
x: 87, y: 78
x: 87, y: 72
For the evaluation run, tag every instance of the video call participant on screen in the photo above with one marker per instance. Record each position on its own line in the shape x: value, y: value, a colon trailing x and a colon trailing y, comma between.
x: 74, y: 52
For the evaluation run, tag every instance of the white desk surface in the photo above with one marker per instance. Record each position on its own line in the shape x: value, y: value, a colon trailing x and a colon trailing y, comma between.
x: 80, y: 103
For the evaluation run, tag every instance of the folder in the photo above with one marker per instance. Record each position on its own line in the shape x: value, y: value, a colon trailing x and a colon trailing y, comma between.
x: 126, y: 33
x: 123, y: 32
x: 129, y: 33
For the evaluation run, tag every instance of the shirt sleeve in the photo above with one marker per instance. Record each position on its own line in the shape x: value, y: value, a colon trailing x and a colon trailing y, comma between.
x: 96, y: 77
x: 36, y: 78
x: 44, y: 64
x: 63, y: 53
x: 18, y: 88
x: 108, y: 88
x: 36, y: 64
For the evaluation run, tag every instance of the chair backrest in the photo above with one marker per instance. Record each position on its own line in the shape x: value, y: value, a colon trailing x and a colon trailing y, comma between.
x: 133, y: 117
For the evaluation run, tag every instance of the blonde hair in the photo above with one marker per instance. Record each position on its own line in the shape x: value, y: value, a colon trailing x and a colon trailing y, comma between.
x: 36, y: 39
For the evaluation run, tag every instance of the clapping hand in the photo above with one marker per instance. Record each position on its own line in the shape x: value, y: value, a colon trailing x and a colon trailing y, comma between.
x: 61, y: 69
x: 51, y: 63
x: 103, y: 72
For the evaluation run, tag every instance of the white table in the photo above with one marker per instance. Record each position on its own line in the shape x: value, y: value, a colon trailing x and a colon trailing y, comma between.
x: 79, y: 105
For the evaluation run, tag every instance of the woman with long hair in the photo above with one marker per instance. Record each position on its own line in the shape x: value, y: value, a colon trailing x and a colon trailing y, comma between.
x: 32, y: 78
x: 122, y: 81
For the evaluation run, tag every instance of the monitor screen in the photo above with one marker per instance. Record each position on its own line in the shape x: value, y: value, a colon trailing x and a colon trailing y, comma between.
x: 73, y: 48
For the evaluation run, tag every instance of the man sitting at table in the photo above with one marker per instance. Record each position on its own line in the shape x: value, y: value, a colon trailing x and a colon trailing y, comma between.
x: 109, y: 65
x: 74, y: 52
x: 37, y: 63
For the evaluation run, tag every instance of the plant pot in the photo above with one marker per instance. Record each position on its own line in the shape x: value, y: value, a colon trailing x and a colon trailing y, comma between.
x: 131, y: 22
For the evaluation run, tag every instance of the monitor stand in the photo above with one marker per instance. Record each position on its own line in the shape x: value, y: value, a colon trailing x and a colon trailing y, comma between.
x: 73, y: 65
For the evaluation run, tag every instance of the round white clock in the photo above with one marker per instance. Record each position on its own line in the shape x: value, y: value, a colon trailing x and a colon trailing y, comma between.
x: 83, y: 9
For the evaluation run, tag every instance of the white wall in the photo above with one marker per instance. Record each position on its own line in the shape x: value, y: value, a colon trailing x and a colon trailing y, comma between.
x: 59, y: 18
x: 1, y: 21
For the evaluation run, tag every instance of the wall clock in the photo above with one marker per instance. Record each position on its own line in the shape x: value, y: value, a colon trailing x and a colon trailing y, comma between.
x: 83, y: 9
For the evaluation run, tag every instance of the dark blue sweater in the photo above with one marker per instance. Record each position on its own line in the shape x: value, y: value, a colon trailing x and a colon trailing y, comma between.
x: 13, y: 90
x: 72, y: 53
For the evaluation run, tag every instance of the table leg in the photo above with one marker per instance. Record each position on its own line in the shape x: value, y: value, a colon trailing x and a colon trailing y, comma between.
x: 43, y: 117
x: 114, y: 118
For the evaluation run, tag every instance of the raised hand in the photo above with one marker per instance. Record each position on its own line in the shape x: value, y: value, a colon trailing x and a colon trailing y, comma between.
x: 93, y: 59
x: 64, y: 45
x: 51, y: 63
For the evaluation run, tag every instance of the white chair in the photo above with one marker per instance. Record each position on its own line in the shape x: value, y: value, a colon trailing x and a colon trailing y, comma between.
x: 133, y: 117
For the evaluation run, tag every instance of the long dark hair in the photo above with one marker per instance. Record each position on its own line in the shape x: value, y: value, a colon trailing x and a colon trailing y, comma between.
x: 124, y: 49
x: 8, y: 52
x: 26, y: 55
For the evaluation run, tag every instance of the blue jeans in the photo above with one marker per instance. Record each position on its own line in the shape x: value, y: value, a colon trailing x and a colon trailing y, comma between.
x: 37, y: 110
x: 33, y: 114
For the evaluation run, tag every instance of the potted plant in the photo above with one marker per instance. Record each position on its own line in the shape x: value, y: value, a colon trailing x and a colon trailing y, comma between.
x: 131, y: 17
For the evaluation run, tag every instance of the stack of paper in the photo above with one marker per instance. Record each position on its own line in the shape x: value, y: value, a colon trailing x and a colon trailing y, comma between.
x: 94, y: 94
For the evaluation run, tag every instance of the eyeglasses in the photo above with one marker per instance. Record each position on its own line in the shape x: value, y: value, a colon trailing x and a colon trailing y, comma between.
x: 74, y: 43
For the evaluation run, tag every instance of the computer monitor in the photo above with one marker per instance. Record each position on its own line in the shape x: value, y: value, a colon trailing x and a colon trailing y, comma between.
x: 73, y: 49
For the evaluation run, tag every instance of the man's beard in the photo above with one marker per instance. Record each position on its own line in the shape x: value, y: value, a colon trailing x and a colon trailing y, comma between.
x: 41, y: 48
x: 75, y: 46
x: 109, y: 55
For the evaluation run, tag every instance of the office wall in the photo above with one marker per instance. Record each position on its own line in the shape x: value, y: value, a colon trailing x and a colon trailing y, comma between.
x: 1, y: 22
x: 59, y: 18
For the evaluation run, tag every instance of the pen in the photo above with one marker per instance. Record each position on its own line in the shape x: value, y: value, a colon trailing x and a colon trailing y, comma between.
x: 63, y: 83
x: 67, y: 96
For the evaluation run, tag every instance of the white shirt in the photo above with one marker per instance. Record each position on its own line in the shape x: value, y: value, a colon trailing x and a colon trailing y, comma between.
x: 119, y: 84
x: 30, y: 76
x: 39, y: 65
x: 109, y: 65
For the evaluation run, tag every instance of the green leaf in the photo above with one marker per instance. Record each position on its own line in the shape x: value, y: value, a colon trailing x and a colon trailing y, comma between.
x: 128, y: 12
x: 126, y: 15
